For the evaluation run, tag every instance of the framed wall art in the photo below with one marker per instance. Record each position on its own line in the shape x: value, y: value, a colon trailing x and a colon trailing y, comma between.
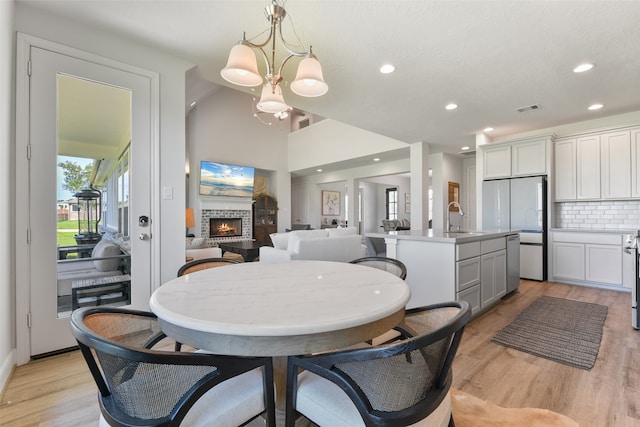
x: 330, y: 202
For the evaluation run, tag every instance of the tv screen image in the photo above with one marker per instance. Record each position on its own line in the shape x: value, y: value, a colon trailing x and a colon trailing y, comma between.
x: 220, y: 179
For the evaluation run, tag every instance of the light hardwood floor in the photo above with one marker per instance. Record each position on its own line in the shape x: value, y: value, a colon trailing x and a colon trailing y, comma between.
x: 58, y: 391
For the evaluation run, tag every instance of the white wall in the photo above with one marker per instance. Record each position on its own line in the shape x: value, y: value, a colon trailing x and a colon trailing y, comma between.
x: 312, y: 185
x: 446, y: 168
x: 329, y: 141
x: 7, y: 261
x: 379, y: 185
x: 222, y: 128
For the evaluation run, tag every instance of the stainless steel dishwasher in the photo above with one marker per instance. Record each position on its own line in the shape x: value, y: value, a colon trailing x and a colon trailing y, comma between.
x: 513, y: 262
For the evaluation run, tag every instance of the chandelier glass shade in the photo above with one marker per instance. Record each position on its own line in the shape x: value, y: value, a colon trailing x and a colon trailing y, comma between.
x: 271, y: 100
x: 242, y: 67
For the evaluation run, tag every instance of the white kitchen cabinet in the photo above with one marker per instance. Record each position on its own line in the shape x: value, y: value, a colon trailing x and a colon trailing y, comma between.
x: 529, y: 158
x: 565, y: 169
x: 467, y: 273
x: 523, y: 158
x: 588, y: 167
x: 493, y: 271
x: 497, y: 162
x: 568, y: 260
x: 500, y: 273
x: 472, y: 296
x: 615, y: 150
x: 493, y: 281
x: 603, y: 264
x: 635, y: 162
x: 589, y: 258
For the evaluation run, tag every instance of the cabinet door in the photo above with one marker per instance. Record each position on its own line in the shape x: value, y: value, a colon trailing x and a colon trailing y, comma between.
x: 467, y: 273
x: 568, y: 260
x: 615, y: 149
x: 588, y: 167
x: 565, y: 169
x: 604, y: 264
x: 635, y: 162
x: 500, y: 273
x: 528, y: 158
x: 472, y: 296
x: 487, y: 280
x: 497, y: 162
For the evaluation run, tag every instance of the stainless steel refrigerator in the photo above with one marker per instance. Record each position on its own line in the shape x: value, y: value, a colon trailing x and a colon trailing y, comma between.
x: 520, y: 204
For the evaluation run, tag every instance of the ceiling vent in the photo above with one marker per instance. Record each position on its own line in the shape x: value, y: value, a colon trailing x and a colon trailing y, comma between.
x: 528, y: 108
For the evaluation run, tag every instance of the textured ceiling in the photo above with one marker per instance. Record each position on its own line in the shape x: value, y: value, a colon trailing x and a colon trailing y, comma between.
x: 489, y: 57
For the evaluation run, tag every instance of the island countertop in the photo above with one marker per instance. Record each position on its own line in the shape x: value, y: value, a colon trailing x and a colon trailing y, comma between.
x: 439, y: 235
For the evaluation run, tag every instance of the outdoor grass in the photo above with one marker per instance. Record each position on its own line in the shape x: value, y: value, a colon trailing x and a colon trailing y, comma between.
x: 65, y: 238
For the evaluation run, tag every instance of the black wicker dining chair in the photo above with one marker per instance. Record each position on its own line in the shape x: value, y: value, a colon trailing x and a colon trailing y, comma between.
x: 391, y: 265
x: 203, y: 264
x: 198, y: 265
x: 396, y: 384
x: 139, y: 386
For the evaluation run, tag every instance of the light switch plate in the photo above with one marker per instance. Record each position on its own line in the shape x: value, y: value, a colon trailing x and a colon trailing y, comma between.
x: 167, y: 192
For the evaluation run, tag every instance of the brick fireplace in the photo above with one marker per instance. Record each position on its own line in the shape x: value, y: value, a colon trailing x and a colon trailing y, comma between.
x: 223, y: 221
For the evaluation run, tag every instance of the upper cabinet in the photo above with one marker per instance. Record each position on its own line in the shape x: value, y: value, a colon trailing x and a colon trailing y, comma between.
x: 565, y: 169
x: 523, y: 158
x: 615, y: 149
x: 588, y: 167
x: 598, y: 167
x: 528, y: 158
x: 497, y: 162
x: 635, y: 162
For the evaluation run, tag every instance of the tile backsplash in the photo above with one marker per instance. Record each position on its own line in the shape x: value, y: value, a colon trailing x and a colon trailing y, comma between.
x: 618, y: 214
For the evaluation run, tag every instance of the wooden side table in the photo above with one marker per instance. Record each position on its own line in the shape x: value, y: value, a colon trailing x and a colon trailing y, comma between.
x: 249, y: 249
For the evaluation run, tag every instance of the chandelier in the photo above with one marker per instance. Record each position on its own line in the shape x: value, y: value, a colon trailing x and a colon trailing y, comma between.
x: 242, y: 67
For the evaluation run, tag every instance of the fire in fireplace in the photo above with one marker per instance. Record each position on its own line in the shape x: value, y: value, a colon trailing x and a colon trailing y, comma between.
x: 225, y: 227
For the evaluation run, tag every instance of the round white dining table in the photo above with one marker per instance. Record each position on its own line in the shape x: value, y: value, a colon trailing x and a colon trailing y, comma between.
x: 280, y: 309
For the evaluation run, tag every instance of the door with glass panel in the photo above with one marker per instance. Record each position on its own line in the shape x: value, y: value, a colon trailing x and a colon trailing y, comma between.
x: 89, y: 191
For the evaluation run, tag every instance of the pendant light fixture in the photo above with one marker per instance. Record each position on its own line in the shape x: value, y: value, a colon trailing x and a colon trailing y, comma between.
x: 242, y: 67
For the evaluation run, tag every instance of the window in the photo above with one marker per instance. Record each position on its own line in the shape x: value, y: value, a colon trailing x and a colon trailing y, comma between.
x: 115, y: 198
x: 392, y: 203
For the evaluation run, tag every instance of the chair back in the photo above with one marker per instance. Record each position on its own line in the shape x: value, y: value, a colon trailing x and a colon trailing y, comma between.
x: 393, y: 384
x: 203, y: 264
x: 141, y: 386
x: 391, y: 265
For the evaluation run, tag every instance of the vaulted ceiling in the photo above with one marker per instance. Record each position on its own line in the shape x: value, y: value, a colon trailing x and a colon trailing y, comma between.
x: 489, y: 57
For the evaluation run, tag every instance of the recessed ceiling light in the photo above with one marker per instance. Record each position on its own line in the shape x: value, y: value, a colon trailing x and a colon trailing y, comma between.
x: 465, y: 148
x: 595, y: 107
x: 318, y: 170
x: 451, y: 106
x: 376, y: 159
x: 489, y: 129
x: 387, y: 69
x: 582, y: 68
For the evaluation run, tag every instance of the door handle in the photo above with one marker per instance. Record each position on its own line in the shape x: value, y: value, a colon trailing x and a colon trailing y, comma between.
x: 144, y: 236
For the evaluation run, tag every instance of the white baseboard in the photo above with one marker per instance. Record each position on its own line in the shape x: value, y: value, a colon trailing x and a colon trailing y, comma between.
x: 8, y: 364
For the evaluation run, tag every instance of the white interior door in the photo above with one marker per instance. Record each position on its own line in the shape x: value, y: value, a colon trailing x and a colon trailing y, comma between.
x: 49, y: 326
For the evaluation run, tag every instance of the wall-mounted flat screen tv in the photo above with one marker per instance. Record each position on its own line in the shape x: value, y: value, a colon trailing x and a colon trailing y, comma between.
x: 221, y: 179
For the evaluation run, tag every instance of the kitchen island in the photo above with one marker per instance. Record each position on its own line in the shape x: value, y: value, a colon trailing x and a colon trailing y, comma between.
x: 466, y: 265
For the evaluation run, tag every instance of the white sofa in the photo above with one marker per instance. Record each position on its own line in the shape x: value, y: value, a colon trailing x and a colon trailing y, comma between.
x: 331, y: 244
x: 197, y: 248
x: 106, y: 260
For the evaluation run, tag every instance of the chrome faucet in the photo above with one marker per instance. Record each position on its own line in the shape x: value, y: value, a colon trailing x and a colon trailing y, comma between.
x: 449, y: 217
